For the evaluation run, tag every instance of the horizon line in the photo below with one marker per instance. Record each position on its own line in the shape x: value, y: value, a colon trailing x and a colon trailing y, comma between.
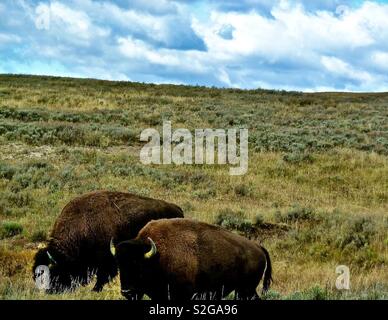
x: 306, y: 91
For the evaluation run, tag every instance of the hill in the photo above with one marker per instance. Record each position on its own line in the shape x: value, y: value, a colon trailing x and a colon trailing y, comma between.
x: 316, y: 193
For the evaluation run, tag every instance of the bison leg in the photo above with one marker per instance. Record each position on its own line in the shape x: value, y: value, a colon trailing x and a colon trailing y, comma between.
x: 246, y: 294
x: 104, y: 275
x: 133, y: 295
x: 165, y: 292
x: 160, y: 295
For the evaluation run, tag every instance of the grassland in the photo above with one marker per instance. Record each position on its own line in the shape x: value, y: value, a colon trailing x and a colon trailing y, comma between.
x: 316, y: 193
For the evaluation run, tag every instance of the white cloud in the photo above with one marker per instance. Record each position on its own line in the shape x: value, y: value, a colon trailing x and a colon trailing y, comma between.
x: 224, y: 77
x: 380, y: 59
x: 75, y: 24
x: 188, y: 60
x: 295, y: 38
x: 293, y: 31
x: 341, y: 68
x: 9, y: 38
x: 153, y: 26
x: 169, y: 41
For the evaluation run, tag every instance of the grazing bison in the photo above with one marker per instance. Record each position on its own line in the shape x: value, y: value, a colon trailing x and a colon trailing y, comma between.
x: 79, y: 242
x: 181, y: 259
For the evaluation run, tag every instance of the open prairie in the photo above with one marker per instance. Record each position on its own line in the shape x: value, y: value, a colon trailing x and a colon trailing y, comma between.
x: 315, y: 195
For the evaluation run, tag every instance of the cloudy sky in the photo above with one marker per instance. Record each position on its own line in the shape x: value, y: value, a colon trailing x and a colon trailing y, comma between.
x: 294, y: 45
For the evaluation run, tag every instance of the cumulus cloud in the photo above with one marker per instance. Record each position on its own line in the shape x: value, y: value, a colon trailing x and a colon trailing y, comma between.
x: 298, y: 45
x: 8, y: 38
x: 293, y: 39
x: 75, y: 24
x: 341, y: 68
x: 380, y: 60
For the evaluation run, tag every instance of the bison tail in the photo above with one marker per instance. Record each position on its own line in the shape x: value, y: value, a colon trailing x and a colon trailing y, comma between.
x: 268, y: 272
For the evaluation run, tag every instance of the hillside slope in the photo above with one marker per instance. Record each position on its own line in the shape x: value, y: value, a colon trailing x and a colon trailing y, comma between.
x: 316, y: 193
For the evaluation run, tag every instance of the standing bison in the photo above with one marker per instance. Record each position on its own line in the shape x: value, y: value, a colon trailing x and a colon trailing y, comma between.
x: 181, y: 259
x: 79, y: 242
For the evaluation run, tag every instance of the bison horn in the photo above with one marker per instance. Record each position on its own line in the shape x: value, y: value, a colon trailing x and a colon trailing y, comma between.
x: 153, y: 250
x: 51, y: 257
x: 112, y: 248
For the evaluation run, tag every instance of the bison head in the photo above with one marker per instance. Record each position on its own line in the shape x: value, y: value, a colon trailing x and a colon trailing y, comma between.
x: 133, y: 258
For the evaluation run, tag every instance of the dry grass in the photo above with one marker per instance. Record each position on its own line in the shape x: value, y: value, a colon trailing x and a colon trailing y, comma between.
x: 332, y: 198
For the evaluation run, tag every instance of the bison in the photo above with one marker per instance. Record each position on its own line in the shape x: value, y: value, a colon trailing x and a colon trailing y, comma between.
x: 182, y: 259
x: 78, y: 246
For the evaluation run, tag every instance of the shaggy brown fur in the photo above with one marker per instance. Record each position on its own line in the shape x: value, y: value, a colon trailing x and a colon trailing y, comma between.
x: 194, y: 260
x: 79, y: 242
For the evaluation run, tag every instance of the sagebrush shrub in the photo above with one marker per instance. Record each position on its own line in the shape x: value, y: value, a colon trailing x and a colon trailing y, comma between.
x: 10, y: 229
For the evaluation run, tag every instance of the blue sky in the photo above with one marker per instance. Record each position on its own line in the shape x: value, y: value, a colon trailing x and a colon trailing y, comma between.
x: 293, y: 45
